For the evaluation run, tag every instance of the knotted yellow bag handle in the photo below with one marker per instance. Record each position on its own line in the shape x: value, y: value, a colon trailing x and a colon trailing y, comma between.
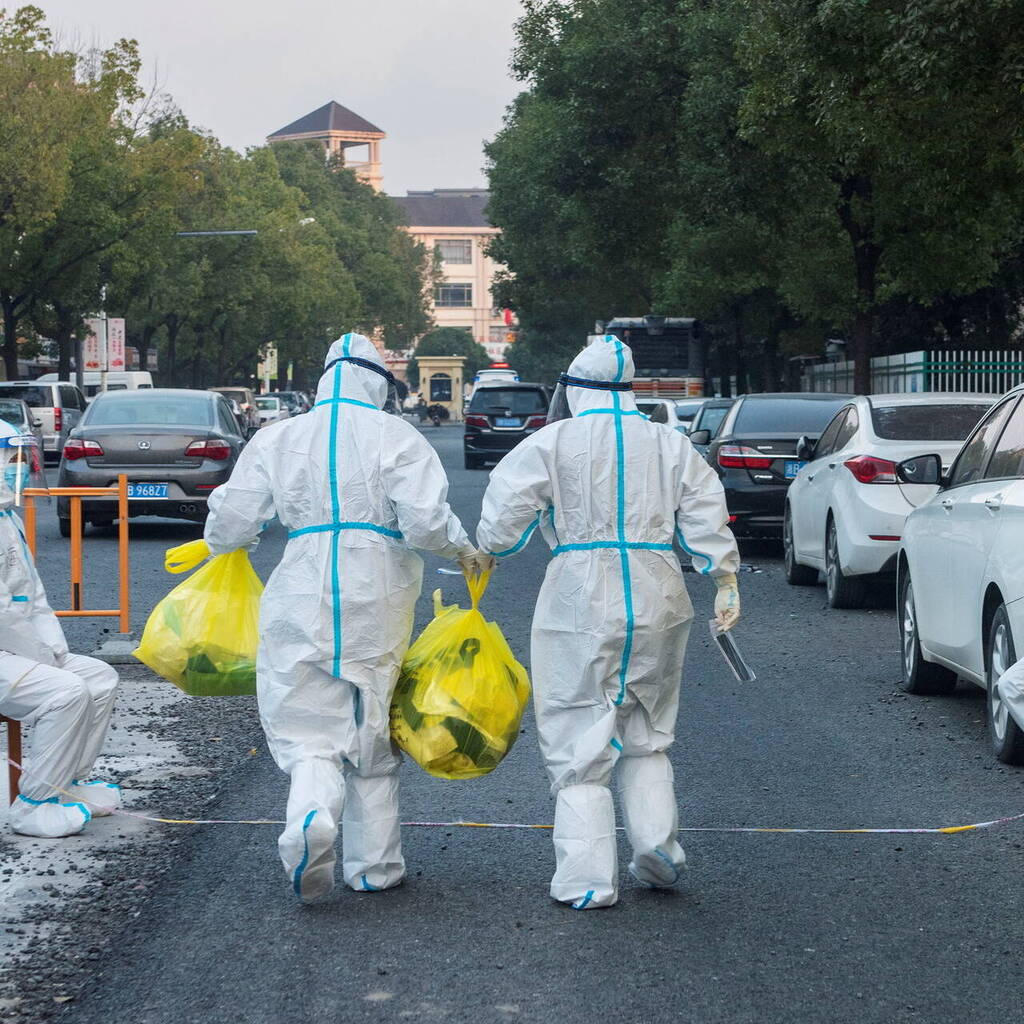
x: 476, y: 585
x: 185, y: 557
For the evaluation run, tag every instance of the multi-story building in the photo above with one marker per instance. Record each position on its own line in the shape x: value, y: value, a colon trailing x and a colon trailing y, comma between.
x: 452, y: 222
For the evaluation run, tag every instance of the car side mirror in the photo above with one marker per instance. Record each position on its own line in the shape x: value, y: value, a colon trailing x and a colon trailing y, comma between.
x: 805, y: 449
x: 925, y: 469
x: 700, y: 437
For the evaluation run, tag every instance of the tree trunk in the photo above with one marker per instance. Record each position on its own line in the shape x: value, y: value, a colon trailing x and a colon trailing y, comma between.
x: 65, y: 346
x: 857, y: 217
x: 173, y: 327
x: 722, y: 359
x: 739, y: 353
x: 10, y: 346
x: 770, y: 358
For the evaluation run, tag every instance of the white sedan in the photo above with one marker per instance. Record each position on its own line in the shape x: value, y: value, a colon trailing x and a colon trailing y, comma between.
x: 271, y: 409
x: 676, y: 413
x: 961, y: 569
x: 845, y: 510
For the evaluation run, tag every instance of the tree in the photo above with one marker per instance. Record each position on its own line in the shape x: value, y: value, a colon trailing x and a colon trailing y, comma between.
x: 450, y: 341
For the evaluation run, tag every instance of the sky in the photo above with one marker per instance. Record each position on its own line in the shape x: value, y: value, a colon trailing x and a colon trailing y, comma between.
x: 433, y: 74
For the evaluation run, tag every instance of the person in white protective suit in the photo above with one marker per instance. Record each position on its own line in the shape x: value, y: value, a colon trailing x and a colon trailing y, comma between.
x: 358, y: 490
x: 67, y: 699
x: 609, y: 490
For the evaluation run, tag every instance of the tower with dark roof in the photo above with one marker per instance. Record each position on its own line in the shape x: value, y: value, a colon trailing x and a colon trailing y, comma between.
x: 339, y: 129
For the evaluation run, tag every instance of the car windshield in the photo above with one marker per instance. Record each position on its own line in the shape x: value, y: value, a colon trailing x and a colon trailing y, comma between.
x: 710, y: 418
x: 648, y: 407
x: 929, y: 421
x: 266, y: 403
x: 786, y: 415
x: 33, y: 397
x: 12, y: 412
x: 152, y: 410
x: 687, y: 410
x: 510, y: 401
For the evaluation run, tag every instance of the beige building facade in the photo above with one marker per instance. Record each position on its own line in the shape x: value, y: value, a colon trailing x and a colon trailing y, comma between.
x: 453, y: 223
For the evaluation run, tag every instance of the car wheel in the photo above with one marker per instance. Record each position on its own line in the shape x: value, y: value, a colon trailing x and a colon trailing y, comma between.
x: 843, y: 591
x: 797, y: 575
x: 1000, y: 655
x: 64, y: 525
x: 919, y: 676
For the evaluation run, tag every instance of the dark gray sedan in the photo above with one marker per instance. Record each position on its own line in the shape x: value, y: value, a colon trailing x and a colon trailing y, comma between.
x: 175, y: 446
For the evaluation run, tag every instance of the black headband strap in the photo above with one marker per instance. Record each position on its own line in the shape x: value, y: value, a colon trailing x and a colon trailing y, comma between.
x: 595, y: 385
x: 366, y: 364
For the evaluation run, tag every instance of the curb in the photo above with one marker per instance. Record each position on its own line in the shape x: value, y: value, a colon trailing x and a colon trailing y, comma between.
x: 117, y: 652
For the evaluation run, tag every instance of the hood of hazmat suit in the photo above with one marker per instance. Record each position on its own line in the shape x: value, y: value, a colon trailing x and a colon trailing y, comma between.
x: 358, y: 490
x: 68, y: 697
x: 613, y: 494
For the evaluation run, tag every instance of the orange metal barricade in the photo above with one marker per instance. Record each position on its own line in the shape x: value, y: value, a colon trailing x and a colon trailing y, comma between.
x: 76, y: 494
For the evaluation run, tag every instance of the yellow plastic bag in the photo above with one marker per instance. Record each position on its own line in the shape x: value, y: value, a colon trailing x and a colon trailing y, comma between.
x: 203, y: 635
x: 461, y: 693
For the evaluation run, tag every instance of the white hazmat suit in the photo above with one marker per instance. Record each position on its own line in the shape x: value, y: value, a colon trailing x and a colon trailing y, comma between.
x: 609, y: 490
x: 357, y: 489
x: 66, y: 699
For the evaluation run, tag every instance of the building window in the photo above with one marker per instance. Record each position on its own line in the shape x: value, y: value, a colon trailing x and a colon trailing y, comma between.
x: 450, y: 296
x: 440, y: 388
x: 455, y: 250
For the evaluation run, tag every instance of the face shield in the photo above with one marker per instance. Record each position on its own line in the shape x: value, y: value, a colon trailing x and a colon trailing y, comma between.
x: 22, y: 467
x: 559, y: 408
x: 391, y: 399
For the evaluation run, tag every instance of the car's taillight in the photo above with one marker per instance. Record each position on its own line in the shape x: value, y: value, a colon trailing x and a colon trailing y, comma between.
x: 738, y: 456
x: 869, y: 470
x: 536, y: 422
x: 213, y: 449
x: 58, y: 418
x: 477, y: 421
x: 76, y: 448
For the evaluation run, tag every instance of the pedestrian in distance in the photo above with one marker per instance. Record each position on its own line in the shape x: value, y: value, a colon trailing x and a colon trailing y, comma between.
x: 610, y: 490
x: 358, y: 491
x: 66, y: 698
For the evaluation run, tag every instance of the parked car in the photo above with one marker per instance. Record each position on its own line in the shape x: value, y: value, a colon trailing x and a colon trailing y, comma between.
x: 58, y: 406
x: 709, y: 418
x: 666, y: 410
x: 686, y: 410
x: 118, y: 380
x: 845, y: 509
x: 246, y: 400
x: 15, y: 412
x: 755, y: 454
x: 961, y: 568
x: 175, y: 446
x: 499, y: 416
x: 271, y: 409
x: 295, y: 401
x: 494, y: 375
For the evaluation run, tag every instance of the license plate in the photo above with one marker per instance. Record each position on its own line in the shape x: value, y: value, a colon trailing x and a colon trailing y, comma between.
x: 147, y: 490
x: 792, y: 468
x: 506, y: 421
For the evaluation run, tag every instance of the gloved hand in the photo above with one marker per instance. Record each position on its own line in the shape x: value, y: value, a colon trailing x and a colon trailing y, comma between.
x: 727, y: 602
x: 476, y: 562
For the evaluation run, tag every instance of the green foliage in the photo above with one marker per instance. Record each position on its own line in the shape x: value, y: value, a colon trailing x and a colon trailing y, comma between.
x: 450, y: 341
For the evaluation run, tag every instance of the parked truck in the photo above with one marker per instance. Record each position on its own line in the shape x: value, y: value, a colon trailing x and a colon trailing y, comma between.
x: 668, y: 353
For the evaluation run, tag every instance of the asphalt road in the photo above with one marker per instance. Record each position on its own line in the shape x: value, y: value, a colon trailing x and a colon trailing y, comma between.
x: 762, y: 927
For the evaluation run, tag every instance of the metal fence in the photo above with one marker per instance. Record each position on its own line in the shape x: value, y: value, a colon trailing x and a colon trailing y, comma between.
x: 938, y: 371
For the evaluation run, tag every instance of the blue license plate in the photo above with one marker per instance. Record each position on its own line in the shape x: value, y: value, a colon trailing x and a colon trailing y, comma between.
x: 792, y: 468
x: 506, y: 421
x: 147, y: 490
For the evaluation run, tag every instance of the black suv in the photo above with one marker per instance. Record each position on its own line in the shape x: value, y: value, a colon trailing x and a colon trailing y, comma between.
x: 755, y: 454
x: 499, y: 416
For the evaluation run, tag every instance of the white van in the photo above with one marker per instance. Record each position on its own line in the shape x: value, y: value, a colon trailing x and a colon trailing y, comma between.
x: 123, y: 380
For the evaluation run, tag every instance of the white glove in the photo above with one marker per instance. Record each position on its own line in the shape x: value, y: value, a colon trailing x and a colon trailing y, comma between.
x: 727, y: 602
x: 476, y: 562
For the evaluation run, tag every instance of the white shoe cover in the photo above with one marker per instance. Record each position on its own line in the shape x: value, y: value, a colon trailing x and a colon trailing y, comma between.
x: 370, y: 833
x: 102, y: 798
x: 651, y: 817
x: 307, y: 844
x: 586, y: 875
x: 48, y: 819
